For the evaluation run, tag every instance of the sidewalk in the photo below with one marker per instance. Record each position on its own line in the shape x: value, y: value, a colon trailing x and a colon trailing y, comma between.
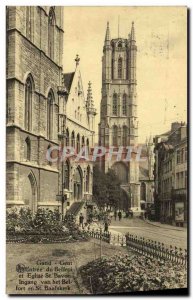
x: 165, y: 226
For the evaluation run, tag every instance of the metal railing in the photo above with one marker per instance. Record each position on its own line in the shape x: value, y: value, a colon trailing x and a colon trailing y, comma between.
x: 143, y: 246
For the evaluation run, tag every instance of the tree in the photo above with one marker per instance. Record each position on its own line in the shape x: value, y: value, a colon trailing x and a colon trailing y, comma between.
x: 106, y: 188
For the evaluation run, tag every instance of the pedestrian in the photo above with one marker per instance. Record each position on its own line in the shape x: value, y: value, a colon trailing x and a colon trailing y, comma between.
x: 81, y: 220
x: 115, y: 215
x: 106, y: 226
x: 119, y: 215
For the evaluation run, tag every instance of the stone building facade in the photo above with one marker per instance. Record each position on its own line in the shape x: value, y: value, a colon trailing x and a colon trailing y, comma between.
x: 146, y: 174
x: 79, y: 135
x: 36, y: 97
x: 118, y: 111
x: 171, y: 175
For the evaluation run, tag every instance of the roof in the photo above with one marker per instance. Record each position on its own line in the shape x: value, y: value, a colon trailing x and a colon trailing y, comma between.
x: 68, y: 78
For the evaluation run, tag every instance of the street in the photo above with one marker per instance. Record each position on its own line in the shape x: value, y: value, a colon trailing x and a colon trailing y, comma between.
x: 169, y: 235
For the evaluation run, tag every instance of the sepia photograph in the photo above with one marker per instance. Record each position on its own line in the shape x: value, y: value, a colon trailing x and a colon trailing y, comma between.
x: 97, y: 150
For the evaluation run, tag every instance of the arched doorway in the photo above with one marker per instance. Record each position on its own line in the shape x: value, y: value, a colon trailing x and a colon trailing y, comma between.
x: 78, y: 184
x: 121, y: 171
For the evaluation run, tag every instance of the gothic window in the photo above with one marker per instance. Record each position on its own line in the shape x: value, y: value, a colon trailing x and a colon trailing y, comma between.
x: 73, y: 139
x: 51, y: 23
x: 115, y: 104
x: 83, y: 142
x: 27, y: 150
x: 87, y: 179
x: 66, y: 177
x: 87, y: 144
x: 120, y: 45
x: 120, y: 68
x: 28, y: 104
x: 125, y: 134
x: 112, y: 69
x: 67, y: 137
x: 78, y: 143
x: 115, y: 135
x: 29, y: 22
x: 143, y: 191
x: 124, y: 105
x: 50, y: 115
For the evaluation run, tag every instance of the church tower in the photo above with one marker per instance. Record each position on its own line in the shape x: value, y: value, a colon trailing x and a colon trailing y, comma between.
x: 118, y: 112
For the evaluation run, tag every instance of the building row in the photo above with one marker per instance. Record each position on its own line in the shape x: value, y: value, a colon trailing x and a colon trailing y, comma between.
x: 170, y: 174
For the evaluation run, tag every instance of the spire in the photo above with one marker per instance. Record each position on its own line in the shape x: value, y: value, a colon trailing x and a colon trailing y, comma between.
x: 89, y: 101
x: 107, y: 37
x: 132, y: 32
x: 77, y: 60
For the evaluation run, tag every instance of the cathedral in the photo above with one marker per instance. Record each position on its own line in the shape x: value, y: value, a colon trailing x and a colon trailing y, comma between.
x: 118, y: 112
x: 45, y: 108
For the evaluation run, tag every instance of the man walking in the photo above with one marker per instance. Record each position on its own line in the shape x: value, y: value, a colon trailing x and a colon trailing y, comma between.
x: 81, y: 220
x: 119, y: 215
x: 115, y: 215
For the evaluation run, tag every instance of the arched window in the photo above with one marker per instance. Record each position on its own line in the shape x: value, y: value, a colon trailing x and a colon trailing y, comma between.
x: 77, y: 184
x: 143, y: 191
x: 87, y: 179
x: 125, y: 134
x: 29, y: 22
x: 67, y: 137
x: 87, y: 144
x: 119, y: 45
x: 50, y: 115
x: 51, y: 23
x: 73, y: 139
x: 66, y: 177
x: 28, y: 104
x: 124, y: 105
x: 120, y: 68
x: 115, y: 135
x: 83, y: 143
x: 115, y: 104
x: 78, y: 143
x: 27, y: 150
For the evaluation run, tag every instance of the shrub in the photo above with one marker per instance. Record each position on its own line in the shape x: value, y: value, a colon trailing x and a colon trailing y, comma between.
x: 128, y: 273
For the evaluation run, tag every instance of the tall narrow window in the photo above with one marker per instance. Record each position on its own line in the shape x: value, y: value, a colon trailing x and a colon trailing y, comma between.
x: 124, y: 105
x: 115, y: 104
x: 73, y: 139
x: 67, y: 137
x: 27, y: 150
x: 115, y: 135
x: 83, y: 143
x: 29, y: 22
x: 120, y: 68
x: 87, y: 144
x: 125, y: 134
x: 78, y: 143
x: 28, y: 104
x: 66, y: 175
x: 87, y: 179
x: 50, y: 115
x: 51, y: 23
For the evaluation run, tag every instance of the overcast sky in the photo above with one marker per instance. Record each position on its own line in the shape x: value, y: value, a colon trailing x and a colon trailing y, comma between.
x: 161, y: 59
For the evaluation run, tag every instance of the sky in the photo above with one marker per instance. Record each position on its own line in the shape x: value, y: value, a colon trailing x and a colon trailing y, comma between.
x: 161, y: 38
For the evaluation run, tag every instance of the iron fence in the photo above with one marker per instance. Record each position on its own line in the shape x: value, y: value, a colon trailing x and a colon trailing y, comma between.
x: 143, y: 246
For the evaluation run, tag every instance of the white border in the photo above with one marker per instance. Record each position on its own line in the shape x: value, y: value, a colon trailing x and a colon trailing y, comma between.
x: 3, y: 95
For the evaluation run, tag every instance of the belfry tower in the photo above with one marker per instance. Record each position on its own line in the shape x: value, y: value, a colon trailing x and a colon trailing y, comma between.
x: 118, y: 112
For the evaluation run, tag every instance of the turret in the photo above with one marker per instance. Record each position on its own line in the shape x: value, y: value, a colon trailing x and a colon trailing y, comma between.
x: 91, y: 111
x: 107, y: 56
x: 133, y: 54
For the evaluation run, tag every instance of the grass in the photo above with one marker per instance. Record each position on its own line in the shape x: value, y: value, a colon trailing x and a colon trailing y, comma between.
x: 78, y: 253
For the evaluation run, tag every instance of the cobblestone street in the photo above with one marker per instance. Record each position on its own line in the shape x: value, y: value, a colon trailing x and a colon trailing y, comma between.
x: 169, y: 235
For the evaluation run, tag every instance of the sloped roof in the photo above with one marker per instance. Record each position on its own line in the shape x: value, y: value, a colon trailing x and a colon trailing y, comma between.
x: 68, y: 78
